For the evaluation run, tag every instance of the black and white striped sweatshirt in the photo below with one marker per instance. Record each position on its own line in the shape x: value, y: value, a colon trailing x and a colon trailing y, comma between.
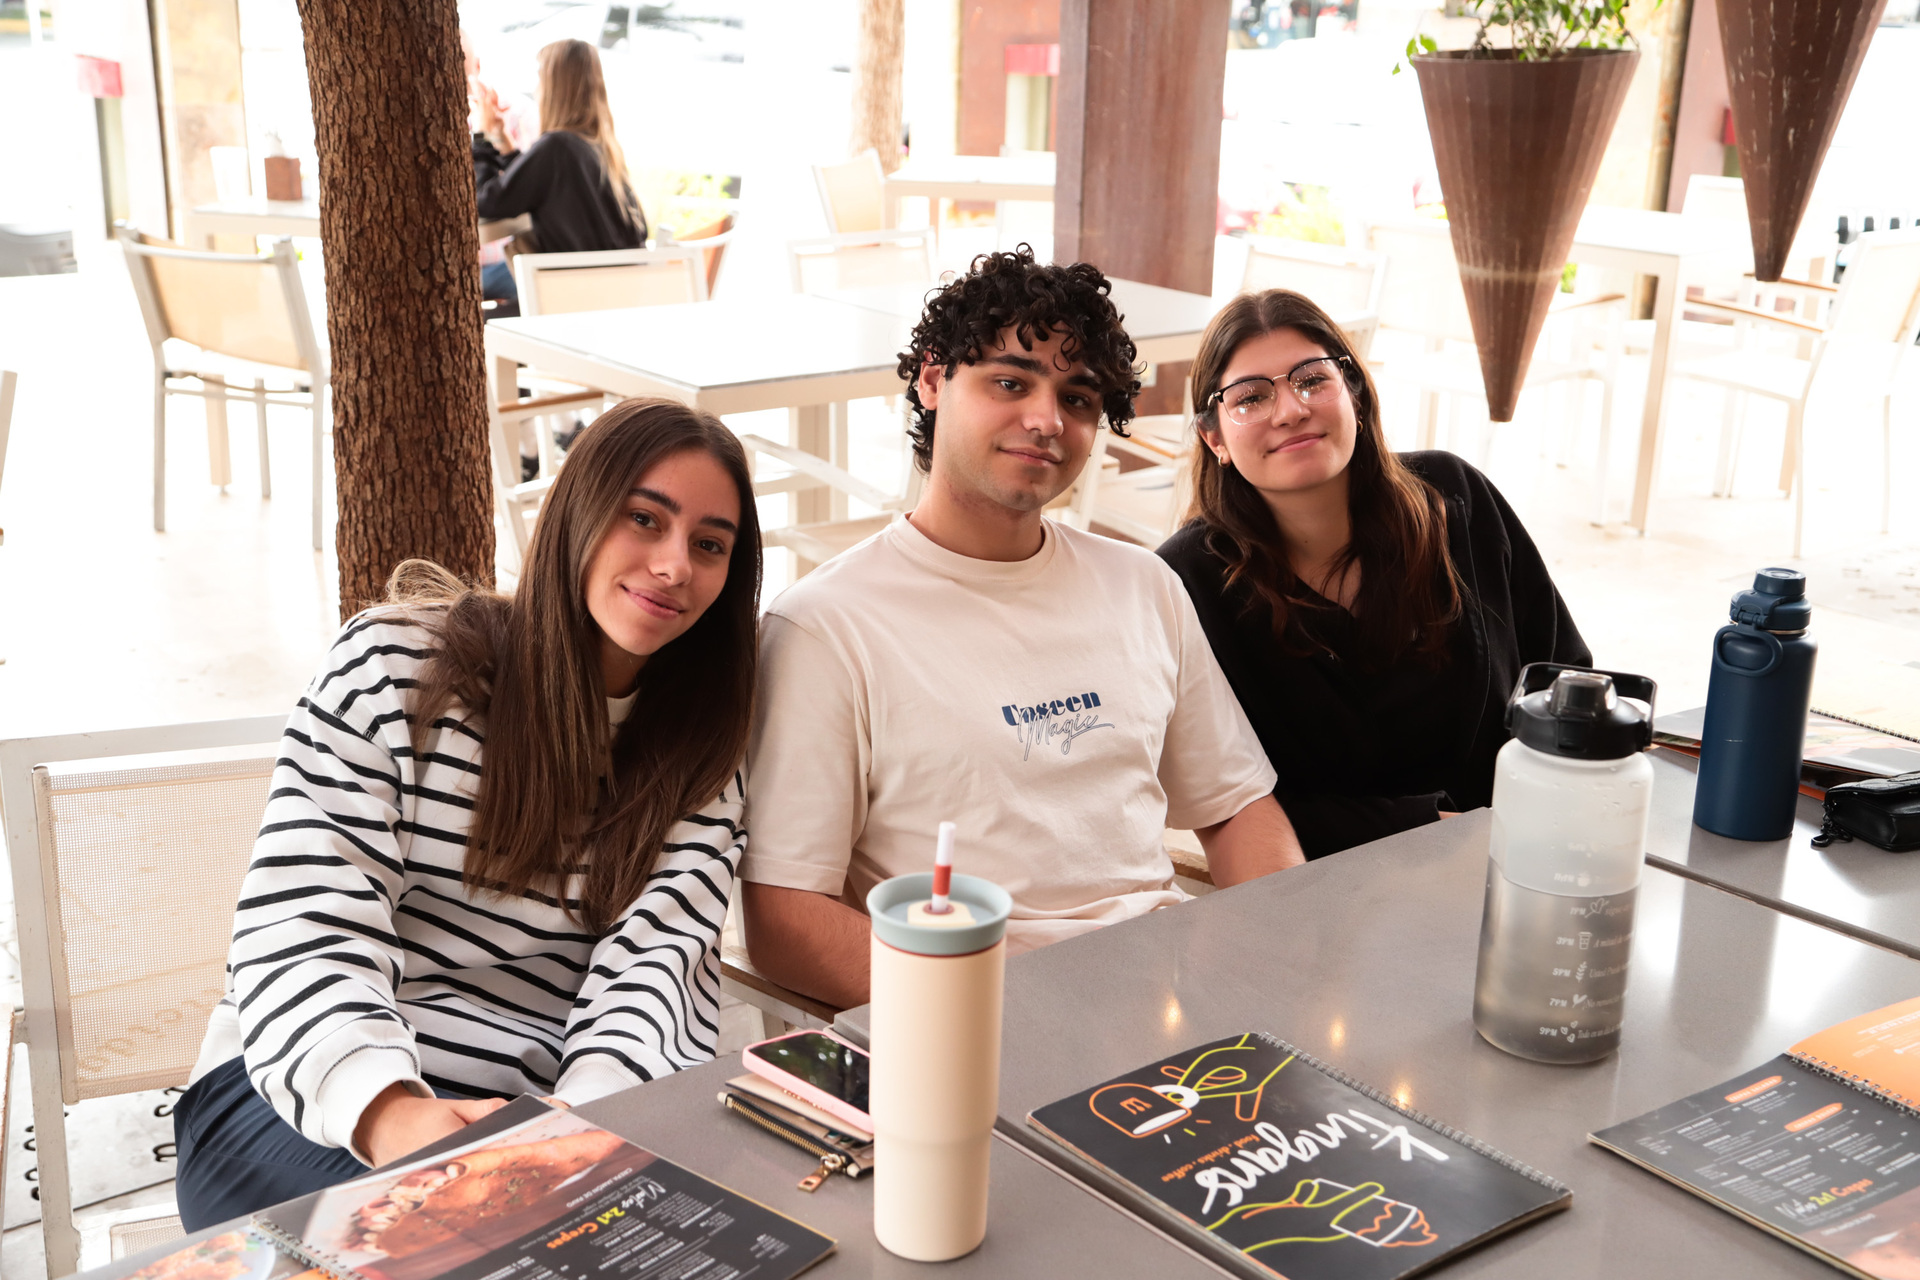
x: 360, y: 960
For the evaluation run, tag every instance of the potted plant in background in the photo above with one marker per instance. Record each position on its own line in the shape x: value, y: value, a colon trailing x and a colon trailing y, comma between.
x: 1790, y: 66
x: 1518, y: 131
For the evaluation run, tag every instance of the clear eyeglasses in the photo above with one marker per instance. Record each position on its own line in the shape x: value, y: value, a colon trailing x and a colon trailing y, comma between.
x: 1251, y: 401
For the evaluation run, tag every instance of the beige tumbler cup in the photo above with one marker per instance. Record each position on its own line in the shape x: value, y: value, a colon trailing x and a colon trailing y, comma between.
x: 935, y: 1076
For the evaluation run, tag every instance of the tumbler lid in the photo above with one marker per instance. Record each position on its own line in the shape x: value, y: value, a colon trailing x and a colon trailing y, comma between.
x: 889, y: 902
x: 1778, y: 602
x: 1581, y: 712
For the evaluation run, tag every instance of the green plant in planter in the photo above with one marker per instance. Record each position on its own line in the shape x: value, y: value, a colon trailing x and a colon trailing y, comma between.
x: 1543, y: 28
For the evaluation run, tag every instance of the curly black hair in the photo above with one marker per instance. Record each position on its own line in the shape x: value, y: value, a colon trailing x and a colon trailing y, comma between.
x: 1004, y: 291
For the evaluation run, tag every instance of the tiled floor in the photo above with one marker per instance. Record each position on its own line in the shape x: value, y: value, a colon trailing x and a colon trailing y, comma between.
x: 104, y: 623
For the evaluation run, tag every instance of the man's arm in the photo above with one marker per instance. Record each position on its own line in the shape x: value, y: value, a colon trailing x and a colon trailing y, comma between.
x: 809, y: 942
x: 1252, y: 843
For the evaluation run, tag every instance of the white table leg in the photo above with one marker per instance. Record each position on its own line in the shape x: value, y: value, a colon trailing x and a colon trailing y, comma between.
x: 812, y: 430
x: 840, y: 443
x: 1666, y: 291
x: 219, y: 456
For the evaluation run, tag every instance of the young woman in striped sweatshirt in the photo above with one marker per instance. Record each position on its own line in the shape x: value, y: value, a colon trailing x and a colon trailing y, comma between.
x: 501, y: 834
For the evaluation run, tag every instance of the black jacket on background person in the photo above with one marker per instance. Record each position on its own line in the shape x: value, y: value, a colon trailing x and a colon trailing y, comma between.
x: 1363, y: 753
x: 560, y: 181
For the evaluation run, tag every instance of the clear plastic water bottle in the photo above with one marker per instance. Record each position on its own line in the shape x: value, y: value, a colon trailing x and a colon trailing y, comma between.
x: 1757, y: 700
x: 1570, y: 799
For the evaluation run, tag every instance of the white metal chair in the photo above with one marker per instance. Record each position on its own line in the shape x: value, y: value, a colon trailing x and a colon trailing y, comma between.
x: 250, y: 314
x: 554, y: 283
x: 1423, y: 296
x: 1346, y: 283
x: 816, y: 542
x: 1147, y: 503
x: 862, y: 259
x: 1869, y: 328
x: 9, y: 380
x: 558, y: 283
x: 9, y: 383
x: 853, y: 193
x: 125, y: 876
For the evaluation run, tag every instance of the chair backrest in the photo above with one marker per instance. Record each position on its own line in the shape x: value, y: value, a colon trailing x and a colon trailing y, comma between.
x: 555, y: 283
x: 1879, y: 298
x: 1712, y: 198
x: 9, y: 381
x: 1341, y: 280
x: 859, y: 260
x: 711, y: 240
x: 853, y: 193
x: 136, y: 866
x: 245, y: 306
x: 1422, y: 293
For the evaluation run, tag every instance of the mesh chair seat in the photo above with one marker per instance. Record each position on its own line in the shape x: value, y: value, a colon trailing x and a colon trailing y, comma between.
x: 144, y: 867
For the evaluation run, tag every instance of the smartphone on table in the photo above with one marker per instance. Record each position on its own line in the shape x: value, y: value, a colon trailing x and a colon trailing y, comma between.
x: 829, y: 1073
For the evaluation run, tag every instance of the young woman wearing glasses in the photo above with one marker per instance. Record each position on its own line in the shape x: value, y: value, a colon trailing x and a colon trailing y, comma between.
x: 1372, y: 610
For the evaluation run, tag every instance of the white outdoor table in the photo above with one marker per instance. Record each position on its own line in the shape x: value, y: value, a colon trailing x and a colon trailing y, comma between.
x: 254, y: 216
x: 801, y: 353
x: 1165, y: 324
x: 258, y: 216
x: 996, y: 178
x: 1664, y: 246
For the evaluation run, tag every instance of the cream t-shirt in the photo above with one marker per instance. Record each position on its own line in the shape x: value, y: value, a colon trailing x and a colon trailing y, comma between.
x: 1063, y: 710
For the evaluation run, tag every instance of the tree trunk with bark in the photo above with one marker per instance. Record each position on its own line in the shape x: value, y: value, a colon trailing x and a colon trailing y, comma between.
x: 398, y: 229
x: 876, y: 81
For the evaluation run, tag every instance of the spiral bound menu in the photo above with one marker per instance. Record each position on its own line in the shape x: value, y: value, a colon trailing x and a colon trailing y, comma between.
x: 544, y: 1195
x: 1820, y: 1146
x: 1277, y: 1163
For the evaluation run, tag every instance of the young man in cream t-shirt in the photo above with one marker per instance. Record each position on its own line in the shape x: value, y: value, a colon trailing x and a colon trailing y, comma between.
x: 1050, y: 691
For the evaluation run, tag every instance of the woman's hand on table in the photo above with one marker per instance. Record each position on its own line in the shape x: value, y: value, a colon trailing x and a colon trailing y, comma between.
x: 397, y: 1122
x: 1448, y: 813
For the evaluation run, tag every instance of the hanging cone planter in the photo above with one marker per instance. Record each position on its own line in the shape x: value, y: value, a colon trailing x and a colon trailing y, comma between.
x: 1790, y: 66
x: 1518, y: 144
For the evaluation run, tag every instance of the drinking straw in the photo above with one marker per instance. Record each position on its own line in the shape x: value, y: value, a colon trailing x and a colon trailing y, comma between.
x: 942, y: 871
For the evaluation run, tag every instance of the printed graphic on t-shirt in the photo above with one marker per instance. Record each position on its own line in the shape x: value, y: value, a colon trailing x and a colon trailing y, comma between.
x: 1057, y: 720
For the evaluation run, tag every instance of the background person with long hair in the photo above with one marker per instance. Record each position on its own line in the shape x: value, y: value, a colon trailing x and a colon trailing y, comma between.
x: 501, y: 834
x: 1372, y: 610
x: 572, y: 179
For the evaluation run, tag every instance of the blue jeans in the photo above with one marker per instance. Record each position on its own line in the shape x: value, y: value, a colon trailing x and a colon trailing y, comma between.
x: 496, y: 281
x: 236, y: 1155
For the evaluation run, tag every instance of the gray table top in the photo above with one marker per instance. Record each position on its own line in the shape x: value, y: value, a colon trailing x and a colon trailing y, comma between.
x: 1038, y: 1224
x: 1366, y: 959
x: 1853, y: 887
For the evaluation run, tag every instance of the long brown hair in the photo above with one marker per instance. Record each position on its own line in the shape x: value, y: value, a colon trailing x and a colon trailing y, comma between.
x: 1410, y: 593
x: 573, y: 96
x: 559, y: 792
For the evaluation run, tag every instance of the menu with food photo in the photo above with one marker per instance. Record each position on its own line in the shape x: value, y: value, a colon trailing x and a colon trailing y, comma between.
x: 544, y: 1195
x: 550, y: 1195
x: 1820, y: 1146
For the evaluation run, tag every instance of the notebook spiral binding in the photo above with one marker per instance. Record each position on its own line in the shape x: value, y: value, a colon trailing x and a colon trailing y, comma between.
x: 1862, y: 724
x: 1447, y: 1131
x: 1898, y: 1101
x: 298, y: 1248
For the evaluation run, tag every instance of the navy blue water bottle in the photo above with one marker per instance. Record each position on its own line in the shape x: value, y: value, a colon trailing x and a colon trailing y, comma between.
x: 1757, y: 702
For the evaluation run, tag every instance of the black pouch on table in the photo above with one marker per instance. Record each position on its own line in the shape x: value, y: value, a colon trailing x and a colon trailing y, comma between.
x: 1884, y: 812
x: 838, y: 1151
